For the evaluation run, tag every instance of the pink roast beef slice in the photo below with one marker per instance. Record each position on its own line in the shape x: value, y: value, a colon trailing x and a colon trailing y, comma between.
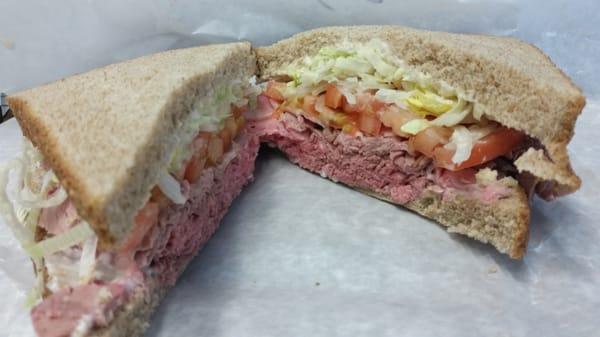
x: 183, y: 229
x: 60, y: 313
x: 381, y: 164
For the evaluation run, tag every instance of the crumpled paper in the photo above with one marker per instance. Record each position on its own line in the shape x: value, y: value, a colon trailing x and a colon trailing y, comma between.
x: 300, y: 256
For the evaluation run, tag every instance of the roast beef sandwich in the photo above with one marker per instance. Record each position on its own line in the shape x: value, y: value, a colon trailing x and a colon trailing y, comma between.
x: 462, y: 129
x: 126, y: 172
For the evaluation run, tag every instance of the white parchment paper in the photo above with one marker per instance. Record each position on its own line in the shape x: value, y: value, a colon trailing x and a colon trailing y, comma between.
x: 300, y: 256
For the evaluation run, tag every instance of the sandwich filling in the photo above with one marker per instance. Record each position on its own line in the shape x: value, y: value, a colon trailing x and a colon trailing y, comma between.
x: 359, y: 115
x: 82, y: 285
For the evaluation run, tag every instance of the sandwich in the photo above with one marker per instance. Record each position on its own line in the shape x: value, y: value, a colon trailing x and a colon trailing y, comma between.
x: 462, y: 129
x: 126, y: 172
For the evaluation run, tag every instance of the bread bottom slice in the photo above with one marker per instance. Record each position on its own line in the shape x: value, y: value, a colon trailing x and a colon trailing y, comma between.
x: 503, y: 224
x: 134, y: 318
x: 383, y: 167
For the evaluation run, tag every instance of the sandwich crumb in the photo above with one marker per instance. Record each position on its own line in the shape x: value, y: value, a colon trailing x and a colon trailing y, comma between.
x: 317, y: 284
x: 492, y: 270
x: 7, y: 43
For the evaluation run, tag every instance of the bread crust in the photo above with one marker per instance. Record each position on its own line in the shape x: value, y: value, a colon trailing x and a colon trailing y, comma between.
x: 108, y: 133
x: 133, y: 319
x: 512, y: 82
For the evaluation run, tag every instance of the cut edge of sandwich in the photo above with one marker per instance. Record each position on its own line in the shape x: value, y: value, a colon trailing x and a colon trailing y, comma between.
x: 511, y: 82
x: 109, y: 200
x: 504, y: 225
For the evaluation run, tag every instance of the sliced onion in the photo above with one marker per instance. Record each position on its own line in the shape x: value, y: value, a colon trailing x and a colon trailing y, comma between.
x: 71, y: 237
x: 171, y: 188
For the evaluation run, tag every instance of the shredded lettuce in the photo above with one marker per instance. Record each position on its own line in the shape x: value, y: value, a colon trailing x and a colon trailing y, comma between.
x: 70, y: 237
x: 462, y: 142
x: 415, y: 126
x: 27, y: 186
x: 456, y: 115
x: 429, y: 103
x: 396, y: 97
x: 87, y: 262
x: 22, y: 220
x: 370, y: 62
x: 8, y: 191
x: 171, y: 188
x: 209, y: 114
x: 463, y: 139
x: 355, y: 68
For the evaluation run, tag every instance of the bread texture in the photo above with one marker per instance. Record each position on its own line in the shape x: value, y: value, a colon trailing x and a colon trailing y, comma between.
x: 510, y: 81
x: 108, y: 133
x: 503, y: 224
x: 132, y: 320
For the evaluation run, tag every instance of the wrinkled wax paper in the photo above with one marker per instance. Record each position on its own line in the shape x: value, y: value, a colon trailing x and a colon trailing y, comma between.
x: 300, y: 256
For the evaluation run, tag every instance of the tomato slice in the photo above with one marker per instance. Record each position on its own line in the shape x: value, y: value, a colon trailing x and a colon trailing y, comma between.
x: 145, y: 219
x: 274, y: 90
x: 490, y: 147
x: 333, y: 97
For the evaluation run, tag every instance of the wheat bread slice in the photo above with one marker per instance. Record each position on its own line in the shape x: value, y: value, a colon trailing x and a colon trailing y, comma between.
x: 510, y: 81
x: 503, y: 224
x: 132, y: 320
x: 108, y: 133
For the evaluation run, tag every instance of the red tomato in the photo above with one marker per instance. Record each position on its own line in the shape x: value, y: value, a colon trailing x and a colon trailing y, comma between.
x: 227, y: 137
x: 394, y: 117
x: 369, y: 124
x: 333, y: 97
x: 231, y: 125
x: 365, y: 103
x: 215, y: 150
x: 237, y: 111
x: 323, y: 110
x: 308, y: 104
x: 494, y: 145
x: 427, y: 140
x: 194, y: 168
x: 146, y: 218
x: 240, y: 122
x: 274, y: 90
x: 350, y: 108
x: 159, y: 198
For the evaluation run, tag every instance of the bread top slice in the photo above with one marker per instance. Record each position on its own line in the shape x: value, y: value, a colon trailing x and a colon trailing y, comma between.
x: 511, y: 82
x: 108, y: 133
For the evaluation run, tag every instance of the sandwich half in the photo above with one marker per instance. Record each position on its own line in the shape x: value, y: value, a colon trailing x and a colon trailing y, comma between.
x: 125, y: 174
x: 461, y: 129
